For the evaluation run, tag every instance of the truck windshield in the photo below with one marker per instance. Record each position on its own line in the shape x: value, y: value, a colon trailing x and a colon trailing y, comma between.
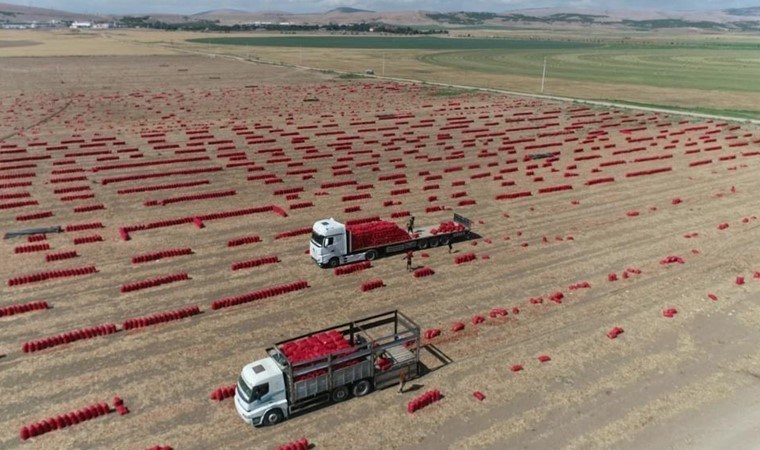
x: 244, y: 389
x: 317, y: 239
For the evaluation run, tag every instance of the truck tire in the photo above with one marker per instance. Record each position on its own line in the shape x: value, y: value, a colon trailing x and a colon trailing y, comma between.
x: 334, y: 262
x: 339, y: 394
x: 445, y: 240
x: 434, y: 242
x: 273, y: 417
x: 423, y: 244
x: 371, y: 255
x: 362, y: 388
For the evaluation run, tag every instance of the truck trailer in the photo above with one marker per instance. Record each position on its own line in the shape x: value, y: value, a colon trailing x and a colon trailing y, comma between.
x: 333, y: 243
x: 328, y: 365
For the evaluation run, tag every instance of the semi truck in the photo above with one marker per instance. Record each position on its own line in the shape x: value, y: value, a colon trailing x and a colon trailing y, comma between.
x: 328, y: 365
x: 333, y: 243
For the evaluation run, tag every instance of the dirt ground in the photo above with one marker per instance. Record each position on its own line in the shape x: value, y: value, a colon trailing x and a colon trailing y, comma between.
x: 690, y: 381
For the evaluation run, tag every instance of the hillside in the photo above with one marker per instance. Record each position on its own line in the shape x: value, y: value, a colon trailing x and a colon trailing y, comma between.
x: 730, y: 19
x: 348, y: 10
x: 337, y: 15
x: 18, y: 13
x: 742, y: 19
x: 746, y: 19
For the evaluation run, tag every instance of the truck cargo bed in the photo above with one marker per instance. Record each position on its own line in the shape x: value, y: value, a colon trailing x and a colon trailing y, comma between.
x: 347, y: 375
x: 424, y: 232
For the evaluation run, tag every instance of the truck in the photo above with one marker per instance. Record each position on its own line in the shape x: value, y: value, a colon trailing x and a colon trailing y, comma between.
x: 328, y: 365
x: 333, y: 244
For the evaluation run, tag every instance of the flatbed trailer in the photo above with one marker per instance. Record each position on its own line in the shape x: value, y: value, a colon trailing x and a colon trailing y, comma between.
x: 381, y: 348
x: 331, y: 244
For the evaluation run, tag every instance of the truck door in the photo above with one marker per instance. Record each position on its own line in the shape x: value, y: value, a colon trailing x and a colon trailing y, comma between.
x: 329, y: 245
x: 339, y: 244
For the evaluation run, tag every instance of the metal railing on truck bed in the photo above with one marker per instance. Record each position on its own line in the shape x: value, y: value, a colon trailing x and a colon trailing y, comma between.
x: 370, y: 337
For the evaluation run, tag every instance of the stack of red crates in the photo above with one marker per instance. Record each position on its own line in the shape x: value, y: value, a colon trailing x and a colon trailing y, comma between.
x: 375, y: 234
x: 314, y: 346
x: 448, y: 227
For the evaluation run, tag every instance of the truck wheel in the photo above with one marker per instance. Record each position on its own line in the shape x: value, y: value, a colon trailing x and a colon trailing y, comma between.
x: 445, y: 240
x: 333, y: 262
x: 339, y: 394
x: 434, y: 242
x: 273, y: 417
x: 423, y: 244
x: 362, y: 388
x: 371, y: 255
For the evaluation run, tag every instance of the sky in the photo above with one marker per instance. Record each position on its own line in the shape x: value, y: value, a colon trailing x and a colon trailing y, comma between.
x: 306, y: 6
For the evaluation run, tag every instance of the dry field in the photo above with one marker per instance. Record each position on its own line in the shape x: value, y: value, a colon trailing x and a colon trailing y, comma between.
x: 77, y: 127
x: 75, y: 43
x: 444, y: 66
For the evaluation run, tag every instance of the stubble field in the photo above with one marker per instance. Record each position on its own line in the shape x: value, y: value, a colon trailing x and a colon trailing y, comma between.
x: 147, y: 144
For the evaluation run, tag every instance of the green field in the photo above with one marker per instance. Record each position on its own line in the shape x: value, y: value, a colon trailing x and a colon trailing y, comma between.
x: 392, y: 43
x: 664, y: 72
x: 738, y: 113
x: 690, y: 65
x: 447, y: 43
x: 705, y: 69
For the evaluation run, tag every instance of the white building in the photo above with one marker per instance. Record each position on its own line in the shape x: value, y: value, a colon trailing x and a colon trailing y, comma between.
x: 77, y: 25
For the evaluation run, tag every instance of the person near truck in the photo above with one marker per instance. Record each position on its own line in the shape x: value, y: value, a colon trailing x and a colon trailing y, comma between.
x: 410, y: 225
x: 408, y: 259
x: 402, y: 379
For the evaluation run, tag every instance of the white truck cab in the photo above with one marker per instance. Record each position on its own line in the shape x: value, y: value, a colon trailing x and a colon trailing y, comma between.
x: 260, y: 397
x: 328, y: 242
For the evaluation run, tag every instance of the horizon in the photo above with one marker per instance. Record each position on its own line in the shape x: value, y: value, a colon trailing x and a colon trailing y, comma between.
x: 191, y: 7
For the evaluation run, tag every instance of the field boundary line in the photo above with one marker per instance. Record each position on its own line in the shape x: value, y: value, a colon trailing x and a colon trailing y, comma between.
x: 571, y: 100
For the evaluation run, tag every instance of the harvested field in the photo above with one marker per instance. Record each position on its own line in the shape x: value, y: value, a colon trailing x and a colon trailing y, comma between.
x: 17, y: 43
x: 146, y: 157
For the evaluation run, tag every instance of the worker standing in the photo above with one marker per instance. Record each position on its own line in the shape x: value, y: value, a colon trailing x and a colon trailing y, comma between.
x: 410, y: 225
x: 402, y: 379
x: 408, y: 258
x: 449, y: 246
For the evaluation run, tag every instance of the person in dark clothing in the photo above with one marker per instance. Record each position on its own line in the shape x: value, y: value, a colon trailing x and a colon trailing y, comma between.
x: 449, y: 246
x: 410, y: 225
x: 408, y: 258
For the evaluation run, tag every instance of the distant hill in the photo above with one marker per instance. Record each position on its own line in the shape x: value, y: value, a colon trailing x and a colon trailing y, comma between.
x: 18, y: 13
x: 342, y: 15
x: 727, y: 19
x: 223, y: 11
x: 751, y: 11
x: 743, y: 19
x: 348, y: 10
x: 718, y: 16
